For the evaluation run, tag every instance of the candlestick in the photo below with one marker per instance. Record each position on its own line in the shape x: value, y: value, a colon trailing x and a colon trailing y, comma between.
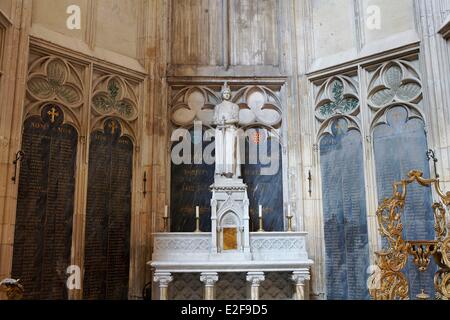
x: 166, y: 219
x: 423, y: 296
x: 261, y: 227
x: 166, y: 224
x: 290, y: 223
x: 289, y: 217
x: 197, y: 219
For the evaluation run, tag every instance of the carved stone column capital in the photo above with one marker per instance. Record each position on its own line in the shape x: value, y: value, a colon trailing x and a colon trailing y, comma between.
x: 300, y: 278
x: 255, y: 278
x: 209, y: 279
x: 163, y: 279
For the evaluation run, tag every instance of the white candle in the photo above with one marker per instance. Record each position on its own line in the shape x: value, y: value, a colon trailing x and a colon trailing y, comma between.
x: 166, y: 211
x: 197, y: 212
x: 289, y: 210
x: 260, y: 211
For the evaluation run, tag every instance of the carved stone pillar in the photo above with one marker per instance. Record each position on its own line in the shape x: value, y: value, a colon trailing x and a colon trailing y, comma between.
x: 300, y: 278
x: 255, y: 279
x: 209, y: 279
x: 163, y: 280
x: 435, y: 69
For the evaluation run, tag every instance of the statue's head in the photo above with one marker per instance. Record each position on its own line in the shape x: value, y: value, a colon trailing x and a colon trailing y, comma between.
x: 226, y: 92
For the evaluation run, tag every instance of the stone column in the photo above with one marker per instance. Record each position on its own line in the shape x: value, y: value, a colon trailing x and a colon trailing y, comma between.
x: 163, y: 280
x: 255, y: 279
x: 435, y: 67
x: 209, y: 279
x: 13, y: 74
x: 300, y: 278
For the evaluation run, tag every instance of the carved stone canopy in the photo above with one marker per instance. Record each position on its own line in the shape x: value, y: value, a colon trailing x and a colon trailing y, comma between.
x: 258, y: 105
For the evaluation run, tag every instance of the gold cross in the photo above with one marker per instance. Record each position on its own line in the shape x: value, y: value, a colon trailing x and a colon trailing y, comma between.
x: 53, y: 114
x: 113, y: 127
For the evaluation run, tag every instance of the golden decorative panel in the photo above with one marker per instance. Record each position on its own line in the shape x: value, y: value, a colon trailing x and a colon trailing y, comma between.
x: 230, y: 239
x: 392, y: 282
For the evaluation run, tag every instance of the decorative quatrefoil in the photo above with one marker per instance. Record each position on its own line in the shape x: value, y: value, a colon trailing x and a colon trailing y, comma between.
x: 113, y: 100
x: 54, y: 84
x: 194, y: 105
x: 392, y: 86
x: 337, y: 96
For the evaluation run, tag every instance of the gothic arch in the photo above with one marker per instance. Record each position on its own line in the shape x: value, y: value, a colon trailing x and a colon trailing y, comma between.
x: 327, y: 126
x: 228, y: 212
x: 230, y: 228
x: 70, y: 116
x: 340, y: 145
x: 380, y: 116
x: 399, y: 145
x: 54, y: 80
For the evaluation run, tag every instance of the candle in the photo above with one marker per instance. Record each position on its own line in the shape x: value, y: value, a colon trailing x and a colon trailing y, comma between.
x: 197, y: 212
x: 260, y: 211
x: 166, y: 211
x: 289, y: 210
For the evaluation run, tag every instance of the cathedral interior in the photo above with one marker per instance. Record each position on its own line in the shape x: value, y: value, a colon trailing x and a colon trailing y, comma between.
x: 224, y: 149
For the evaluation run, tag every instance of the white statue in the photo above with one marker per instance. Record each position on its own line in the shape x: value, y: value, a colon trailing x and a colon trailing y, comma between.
x: 226, y: 118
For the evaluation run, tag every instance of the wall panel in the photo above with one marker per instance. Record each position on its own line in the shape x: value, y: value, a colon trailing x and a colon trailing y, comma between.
x: 197, y: 32
x: 255, y: 35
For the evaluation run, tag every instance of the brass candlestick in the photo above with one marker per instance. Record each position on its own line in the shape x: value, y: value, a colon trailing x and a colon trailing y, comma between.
x: 166, y: 224
x: 423, y: 296
x: 197, y: 224
x: 290, y: 223
x: 261, y: 227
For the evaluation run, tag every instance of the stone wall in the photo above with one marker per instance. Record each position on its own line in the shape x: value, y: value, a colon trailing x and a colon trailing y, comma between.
x: 155, y: 44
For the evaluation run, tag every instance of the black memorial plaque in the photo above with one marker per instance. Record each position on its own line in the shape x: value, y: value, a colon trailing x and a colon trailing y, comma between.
x: 191, y: 181
x: 190, y: 187
x: 108, y: 217
x: 400, y: 146
x: 43, y: 232
x: 345, y: 220
x: 263, y: 174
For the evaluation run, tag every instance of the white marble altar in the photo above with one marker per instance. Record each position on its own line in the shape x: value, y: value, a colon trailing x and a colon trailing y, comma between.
x: 189, y: 253
x: 230, y: 247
